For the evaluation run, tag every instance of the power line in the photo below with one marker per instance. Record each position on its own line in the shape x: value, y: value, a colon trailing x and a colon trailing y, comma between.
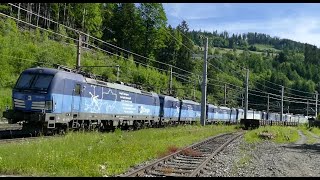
x: 215, y: 67
x: 74, y: 40
x: 172, y: 35
x: 264, y: 79
x: 300, y: 91
x: 30, y: 60
x: 115, y: 46
x: 287, y: 87
x: 265, y: 92
x: 38, y: 27
x: 225, y: 83
x: 101, y: 40
x: 298, y: 95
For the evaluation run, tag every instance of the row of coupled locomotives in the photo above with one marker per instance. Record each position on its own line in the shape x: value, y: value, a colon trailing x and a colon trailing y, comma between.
x: 56, y: 100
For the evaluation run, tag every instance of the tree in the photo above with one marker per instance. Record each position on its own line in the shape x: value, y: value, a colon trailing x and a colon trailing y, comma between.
x: 169, y: 53
x: 184, y: 54
x: 154, y: 23
x: 88, y: 18
x: 127, y: 26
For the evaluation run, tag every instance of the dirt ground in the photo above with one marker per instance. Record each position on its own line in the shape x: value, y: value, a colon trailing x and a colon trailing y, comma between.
x: 268, y: 159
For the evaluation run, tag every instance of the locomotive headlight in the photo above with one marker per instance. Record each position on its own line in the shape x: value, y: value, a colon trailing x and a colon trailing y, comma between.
x: 48, y: 105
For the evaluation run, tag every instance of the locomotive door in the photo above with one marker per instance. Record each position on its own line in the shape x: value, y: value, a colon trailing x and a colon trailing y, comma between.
x: 75, y: 107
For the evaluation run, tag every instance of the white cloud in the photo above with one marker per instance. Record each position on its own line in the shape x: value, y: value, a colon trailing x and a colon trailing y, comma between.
x: 302, y: 29
x: 297, y: 22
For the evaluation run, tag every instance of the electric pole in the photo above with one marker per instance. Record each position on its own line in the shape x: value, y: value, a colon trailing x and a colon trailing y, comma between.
x: 281, y: 115
x: 242, y: 100
x: 79, y: 52
x: 19, y: 11
x: 246, y: 95
x: 118, y: 71
x: 268, y: 104
x: 204, y: 85
x: 316, y: 104
x: 308, y: 107
x: 225, y: 94
x: 170, y: 82
x: 38, y: 15
x: 194, y: 89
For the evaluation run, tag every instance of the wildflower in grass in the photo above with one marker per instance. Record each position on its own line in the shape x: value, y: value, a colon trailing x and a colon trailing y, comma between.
x: 103, y: 167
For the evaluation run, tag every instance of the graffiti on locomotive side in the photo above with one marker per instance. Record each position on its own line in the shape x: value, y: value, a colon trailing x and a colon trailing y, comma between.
x: 112, y: 97
x: 143, y: 110
x: 96, y: 103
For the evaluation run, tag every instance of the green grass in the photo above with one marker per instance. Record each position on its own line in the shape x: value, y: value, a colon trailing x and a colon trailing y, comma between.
x: 315, y: 130
x: 5, y: 99
x: 263, y: 47
x: 306, y: 131
x: 281, y: 134
x: 98, y: 154
x: 238, y: 51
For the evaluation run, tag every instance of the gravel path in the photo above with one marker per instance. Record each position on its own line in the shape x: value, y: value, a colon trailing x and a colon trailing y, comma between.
x: 267, y: 159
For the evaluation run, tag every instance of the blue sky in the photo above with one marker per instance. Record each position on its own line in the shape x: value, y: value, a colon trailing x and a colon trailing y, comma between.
x: 296, y: 21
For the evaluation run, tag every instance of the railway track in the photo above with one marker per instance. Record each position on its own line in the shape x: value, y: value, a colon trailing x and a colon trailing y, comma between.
x: 189, y: 161
x: 25, y: 139
x: 5, y: 126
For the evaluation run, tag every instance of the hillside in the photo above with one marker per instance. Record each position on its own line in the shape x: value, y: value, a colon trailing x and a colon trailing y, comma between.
x: 124, y: 28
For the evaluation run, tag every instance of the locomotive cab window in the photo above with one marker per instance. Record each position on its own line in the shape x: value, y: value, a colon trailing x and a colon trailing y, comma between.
x: 77, y: 89
x: 34, y: 81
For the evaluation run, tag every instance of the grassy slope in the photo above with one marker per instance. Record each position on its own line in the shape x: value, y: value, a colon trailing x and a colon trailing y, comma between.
x: 98, y: 154
x: 261, y: 47
x: 20, y: 50
x: 266, y: 47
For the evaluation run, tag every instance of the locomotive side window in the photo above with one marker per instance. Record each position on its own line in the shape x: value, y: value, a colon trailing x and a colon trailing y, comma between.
x: 77, y: 89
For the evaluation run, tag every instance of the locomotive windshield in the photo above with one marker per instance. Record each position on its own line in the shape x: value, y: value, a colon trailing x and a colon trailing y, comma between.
x: 34, y: 81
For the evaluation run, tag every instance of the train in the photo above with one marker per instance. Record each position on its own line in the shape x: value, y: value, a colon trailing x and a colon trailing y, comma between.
x: 56, y: 100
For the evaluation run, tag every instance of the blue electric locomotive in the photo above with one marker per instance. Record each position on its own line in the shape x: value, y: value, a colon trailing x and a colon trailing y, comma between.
x: 190, y: 111
x: 56, y: 99
x: 169, y: 110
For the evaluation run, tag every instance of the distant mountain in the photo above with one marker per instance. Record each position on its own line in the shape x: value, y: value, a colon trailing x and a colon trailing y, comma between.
x: 250, y: 41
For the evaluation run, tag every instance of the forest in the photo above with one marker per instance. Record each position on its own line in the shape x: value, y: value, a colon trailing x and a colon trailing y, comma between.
x: 137, y: 37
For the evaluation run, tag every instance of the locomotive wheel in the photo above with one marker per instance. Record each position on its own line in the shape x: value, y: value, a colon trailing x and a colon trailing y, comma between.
x: 137, y: 125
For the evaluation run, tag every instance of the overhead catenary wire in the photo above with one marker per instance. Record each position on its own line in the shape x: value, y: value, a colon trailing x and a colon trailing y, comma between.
x: 77, y: 40
x: 148, y: 65
x: 173, y: 35
x: 297, y: 95
x: 24, y: 59
x: 38, y: 27
x: 270, y: 81
x: 100, y: 40
x: 88, y: 35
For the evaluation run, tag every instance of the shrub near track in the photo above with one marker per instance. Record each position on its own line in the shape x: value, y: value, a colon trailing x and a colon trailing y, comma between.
x: 98, y: 154
x: 315, y: 130
x: 279, y: 134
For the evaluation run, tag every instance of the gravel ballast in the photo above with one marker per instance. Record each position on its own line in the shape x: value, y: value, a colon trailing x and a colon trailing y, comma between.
x: 267, y: 159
